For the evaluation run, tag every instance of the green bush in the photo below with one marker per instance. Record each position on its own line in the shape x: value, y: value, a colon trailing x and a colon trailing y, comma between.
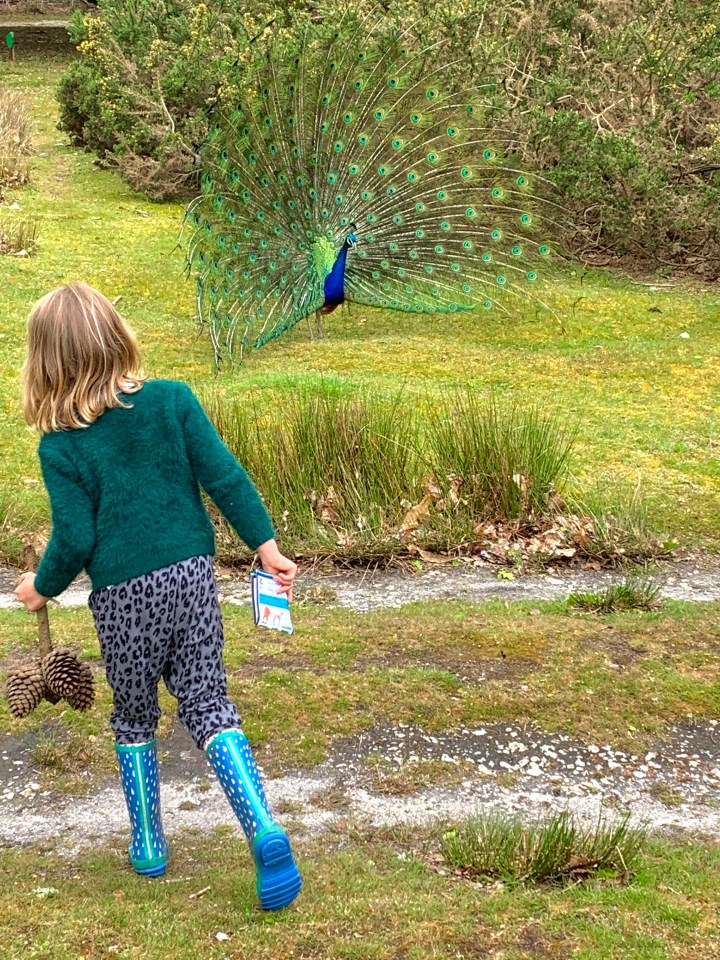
x: 148, y: 72
x: 617, y: 102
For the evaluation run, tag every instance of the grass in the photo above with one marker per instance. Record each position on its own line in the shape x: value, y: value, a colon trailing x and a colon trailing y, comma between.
x: 642, y: 397
x: 507, y: 461
x: 634, y: 593
x: 619, y: 679
x: 377, y: 898
x: 556, y: 850
x: 352, y: 473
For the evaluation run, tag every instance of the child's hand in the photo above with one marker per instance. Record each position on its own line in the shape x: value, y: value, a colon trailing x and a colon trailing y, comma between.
x: 282, y: 567
x: 26, y: 593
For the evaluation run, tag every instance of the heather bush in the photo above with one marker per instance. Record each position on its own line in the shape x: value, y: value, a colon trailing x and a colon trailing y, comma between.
x: 616, y: 102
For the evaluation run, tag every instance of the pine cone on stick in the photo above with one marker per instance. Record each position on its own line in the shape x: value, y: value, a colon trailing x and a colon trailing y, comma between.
x: 55, y: 675
x: 83, y: 697
x: 25, y: 688
x: 63, y: 672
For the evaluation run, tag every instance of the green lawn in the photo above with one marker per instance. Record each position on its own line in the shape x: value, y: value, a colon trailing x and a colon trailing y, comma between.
x: 611, y: 359
x: 371, y: 898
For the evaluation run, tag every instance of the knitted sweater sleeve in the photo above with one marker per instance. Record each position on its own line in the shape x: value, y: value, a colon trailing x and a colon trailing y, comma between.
x: 73, y: 524
x: 221, y: 476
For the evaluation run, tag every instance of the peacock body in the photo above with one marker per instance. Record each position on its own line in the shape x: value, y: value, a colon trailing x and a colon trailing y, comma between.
x: 338, y: 168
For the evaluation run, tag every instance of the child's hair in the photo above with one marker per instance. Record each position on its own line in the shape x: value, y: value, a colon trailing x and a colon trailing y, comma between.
x: 81, y: 354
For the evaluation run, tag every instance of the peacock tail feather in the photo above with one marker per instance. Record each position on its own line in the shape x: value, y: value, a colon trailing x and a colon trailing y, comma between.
x: 350, y: 145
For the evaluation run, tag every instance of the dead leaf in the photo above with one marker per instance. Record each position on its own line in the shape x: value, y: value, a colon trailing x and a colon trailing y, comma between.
x: 415, y: 515
x: 327, y: 506
x: 433, y: 489
x: 430, y: 557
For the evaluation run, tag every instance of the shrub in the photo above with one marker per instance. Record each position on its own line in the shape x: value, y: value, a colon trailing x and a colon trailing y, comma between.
x: 140, y: 94
x: 617, y: 102
x: 15, y: 139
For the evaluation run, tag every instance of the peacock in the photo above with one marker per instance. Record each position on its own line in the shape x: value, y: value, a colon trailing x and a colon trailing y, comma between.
x: 337, y: 168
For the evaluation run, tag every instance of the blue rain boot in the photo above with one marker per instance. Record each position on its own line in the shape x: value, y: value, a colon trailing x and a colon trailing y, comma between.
x: 278, y: 879
x: 148, y: 849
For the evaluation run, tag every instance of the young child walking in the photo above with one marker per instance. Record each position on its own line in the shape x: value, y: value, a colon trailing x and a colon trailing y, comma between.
x: 123, y: 459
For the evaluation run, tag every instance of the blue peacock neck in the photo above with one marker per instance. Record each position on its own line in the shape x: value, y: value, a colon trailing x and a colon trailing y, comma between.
x: 335, y: 280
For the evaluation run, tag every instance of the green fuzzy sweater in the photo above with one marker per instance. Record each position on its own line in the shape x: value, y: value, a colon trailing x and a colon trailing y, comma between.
x: 125, y: 491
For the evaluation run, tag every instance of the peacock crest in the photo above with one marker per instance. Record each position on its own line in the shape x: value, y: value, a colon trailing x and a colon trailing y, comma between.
x: 341, y: 169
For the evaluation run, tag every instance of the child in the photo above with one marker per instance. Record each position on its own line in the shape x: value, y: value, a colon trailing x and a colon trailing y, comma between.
x: 123, y: 460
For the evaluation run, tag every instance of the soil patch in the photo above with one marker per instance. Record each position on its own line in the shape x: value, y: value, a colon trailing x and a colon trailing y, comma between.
x: 616, y: 647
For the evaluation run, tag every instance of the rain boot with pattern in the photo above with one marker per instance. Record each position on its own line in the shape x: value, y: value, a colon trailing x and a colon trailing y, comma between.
x: 278, y: 878
x: 148, y: 849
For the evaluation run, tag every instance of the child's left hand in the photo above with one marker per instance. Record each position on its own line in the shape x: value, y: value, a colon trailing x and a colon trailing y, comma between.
x: 26, y: 593
x: 284, y: 569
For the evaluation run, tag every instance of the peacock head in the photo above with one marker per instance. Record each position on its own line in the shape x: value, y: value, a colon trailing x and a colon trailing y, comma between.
x: 351, y: 239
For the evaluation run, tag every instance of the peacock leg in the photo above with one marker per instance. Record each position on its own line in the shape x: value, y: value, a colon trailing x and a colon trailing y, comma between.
x: 320, y: 331
x: 310, y: 329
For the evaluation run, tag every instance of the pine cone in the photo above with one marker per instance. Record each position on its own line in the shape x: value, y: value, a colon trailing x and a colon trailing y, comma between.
x: 83, y: 697
x: 63, y: 672
x: 25, y: 688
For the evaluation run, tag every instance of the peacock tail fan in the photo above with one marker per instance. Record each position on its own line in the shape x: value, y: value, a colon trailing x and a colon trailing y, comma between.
x: 347, y: 139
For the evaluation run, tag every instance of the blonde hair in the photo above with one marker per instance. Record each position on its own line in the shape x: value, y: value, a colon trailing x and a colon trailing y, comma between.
x: 81, y: 354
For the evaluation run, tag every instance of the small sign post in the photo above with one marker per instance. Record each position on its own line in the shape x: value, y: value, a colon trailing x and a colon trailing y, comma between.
x: 10, y: 40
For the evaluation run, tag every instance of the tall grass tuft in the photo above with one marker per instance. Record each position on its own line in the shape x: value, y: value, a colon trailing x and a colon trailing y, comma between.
x: 633, y: 593
x: 619, y: 529
x: 15, y: 139
x: 10, y: 537
x: 558, y: 850
x: 18, y: 235
x: 501, y: 463
x: 358, y: 475
x: 335, y: 467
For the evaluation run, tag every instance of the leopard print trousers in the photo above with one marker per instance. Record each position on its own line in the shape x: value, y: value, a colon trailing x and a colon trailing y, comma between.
x: 165, y: 624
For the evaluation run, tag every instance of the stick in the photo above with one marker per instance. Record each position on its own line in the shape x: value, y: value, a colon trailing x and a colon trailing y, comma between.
x: 44, y: 641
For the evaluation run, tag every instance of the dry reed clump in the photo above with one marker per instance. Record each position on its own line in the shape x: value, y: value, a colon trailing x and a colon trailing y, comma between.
x: 15, y: 138
x: 18, y: 236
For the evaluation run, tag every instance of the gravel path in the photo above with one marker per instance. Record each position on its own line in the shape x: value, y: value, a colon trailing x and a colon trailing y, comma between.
x: 675, y: 786
x: 362, y: 591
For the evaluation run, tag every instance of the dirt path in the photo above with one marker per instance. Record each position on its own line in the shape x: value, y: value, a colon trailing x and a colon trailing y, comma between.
x: 692, y: 580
